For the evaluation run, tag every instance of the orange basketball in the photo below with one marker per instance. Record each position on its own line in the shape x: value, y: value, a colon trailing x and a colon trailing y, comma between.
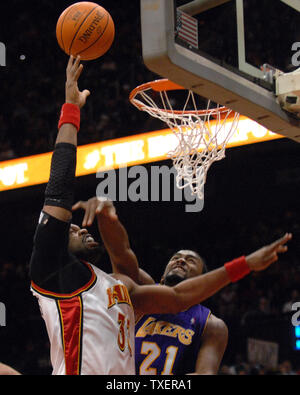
x: 85, y: 29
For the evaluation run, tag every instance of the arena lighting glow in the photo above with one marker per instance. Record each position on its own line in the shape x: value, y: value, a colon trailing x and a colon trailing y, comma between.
x: 113, y: 154
x: 297, y: 332
x: 297, y: 344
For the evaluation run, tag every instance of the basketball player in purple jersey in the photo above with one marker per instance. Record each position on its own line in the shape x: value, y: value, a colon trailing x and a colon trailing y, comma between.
x: 193, y: 341
x: 188, y: 342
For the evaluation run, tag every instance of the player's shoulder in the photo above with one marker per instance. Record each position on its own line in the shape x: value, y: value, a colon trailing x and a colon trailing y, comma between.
x: 128, y: 282
x: 216, y: 327
x: 200, y: 312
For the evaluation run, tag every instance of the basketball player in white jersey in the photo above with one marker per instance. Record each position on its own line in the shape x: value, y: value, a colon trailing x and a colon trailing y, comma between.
x: 88, y: 313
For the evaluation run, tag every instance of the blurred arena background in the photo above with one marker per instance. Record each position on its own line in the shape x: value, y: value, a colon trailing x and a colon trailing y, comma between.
x: 252, y: 196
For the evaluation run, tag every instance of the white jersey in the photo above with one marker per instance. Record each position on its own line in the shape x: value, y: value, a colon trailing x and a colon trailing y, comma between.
x: 91, y: 331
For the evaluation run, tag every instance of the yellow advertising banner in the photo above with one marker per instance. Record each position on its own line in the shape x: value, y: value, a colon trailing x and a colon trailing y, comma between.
x: 113, y: 154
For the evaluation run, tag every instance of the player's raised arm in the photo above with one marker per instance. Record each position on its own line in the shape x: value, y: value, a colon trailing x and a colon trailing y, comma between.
x: 52, y: 233
x: 60, y: 188
x: 114, y: 237
x: 172, y: 300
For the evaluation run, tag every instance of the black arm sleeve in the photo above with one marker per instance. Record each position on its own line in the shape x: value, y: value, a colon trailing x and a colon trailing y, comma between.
x: 52, y: 266
x: 60, y: 188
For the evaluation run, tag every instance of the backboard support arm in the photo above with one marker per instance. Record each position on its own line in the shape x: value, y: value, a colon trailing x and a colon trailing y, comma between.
x: 198, y: 6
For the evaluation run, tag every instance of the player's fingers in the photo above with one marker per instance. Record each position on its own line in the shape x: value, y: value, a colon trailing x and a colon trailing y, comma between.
x: 78, y: 72
x: 85, y: 94
x: 76, y: 63
x: 70, y: 62
x: 281, y: 241
x: 91, y: 217
x: 77, y: 206
x: 281, y: 249
x: 85, y: 218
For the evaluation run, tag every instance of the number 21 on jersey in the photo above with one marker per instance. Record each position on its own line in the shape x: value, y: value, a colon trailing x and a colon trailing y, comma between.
x: 153, y: 351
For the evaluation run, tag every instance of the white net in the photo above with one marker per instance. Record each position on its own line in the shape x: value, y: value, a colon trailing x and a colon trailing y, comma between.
x: 202, y: 134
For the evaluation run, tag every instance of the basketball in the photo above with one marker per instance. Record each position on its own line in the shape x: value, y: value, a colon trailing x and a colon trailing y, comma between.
x: 85, y: 29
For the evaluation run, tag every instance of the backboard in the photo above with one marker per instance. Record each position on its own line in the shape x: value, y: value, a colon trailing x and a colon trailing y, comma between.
x: 217, y: 47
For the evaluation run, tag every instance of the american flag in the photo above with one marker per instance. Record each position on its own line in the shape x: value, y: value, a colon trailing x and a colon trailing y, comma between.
x: 187, y: 28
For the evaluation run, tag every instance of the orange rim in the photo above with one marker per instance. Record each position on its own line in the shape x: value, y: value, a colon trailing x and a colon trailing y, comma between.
x: 164, y: 85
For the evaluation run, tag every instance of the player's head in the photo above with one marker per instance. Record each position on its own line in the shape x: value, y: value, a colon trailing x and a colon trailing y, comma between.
x: 83, y: 245
x: 183, y: 264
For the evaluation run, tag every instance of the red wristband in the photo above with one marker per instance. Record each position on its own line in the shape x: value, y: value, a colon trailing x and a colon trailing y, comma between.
x: 70, y: 113
x: 237, y: 269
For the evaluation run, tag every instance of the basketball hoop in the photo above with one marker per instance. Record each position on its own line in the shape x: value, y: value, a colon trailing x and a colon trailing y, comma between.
x: 202, y: 134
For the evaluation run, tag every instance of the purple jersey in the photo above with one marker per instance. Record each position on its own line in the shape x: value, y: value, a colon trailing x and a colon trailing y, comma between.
x: 169, y: 343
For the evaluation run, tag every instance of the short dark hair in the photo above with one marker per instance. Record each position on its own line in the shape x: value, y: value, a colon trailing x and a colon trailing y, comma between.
x: 205, y: 267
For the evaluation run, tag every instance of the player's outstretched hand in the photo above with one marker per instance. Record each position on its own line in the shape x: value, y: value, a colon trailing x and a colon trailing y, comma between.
x: 95, y: 206
x: 73, y: 94
x: 265, y: 256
